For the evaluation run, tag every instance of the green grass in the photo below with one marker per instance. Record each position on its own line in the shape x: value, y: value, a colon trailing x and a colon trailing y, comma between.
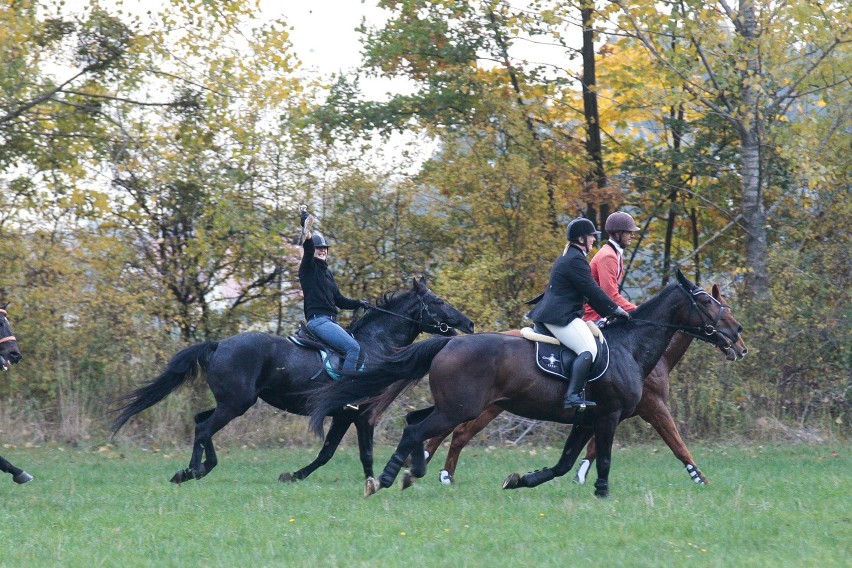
x: 772, y: 505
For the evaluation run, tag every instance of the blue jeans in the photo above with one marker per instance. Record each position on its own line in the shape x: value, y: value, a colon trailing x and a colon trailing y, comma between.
x: 328, y: 330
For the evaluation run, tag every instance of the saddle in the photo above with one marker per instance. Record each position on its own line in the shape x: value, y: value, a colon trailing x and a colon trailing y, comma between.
x: 332, y: 359
x: 554, y: 358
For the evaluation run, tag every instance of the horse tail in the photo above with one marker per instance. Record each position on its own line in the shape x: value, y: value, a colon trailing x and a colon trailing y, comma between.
x: 409, y: 365
x: 182, y: 367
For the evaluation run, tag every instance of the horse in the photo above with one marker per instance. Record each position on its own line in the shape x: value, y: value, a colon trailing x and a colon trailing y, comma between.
x: 470, y: 373
x: 10, y: 355
x: 652, y: 407
x: 251, y: 365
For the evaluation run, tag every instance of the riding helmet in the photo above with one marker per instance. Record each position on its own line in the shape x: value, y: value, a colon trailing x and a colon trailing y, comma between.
x: 580, y: 227
x: 620, y: 221
x: 319, y: 241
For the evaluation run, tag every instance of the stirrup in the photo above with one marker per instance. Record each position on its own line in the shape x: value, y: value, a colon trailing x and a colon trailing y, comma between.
x: 576, y: 401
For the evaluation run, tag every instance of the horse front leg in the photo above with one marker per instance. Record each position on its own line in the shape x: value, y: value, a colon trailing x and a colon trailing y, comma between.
x: 604, y: 435
x: 19, y: 476
x: 661, y: 419
x: 338, y: 428
x: 579, y: 436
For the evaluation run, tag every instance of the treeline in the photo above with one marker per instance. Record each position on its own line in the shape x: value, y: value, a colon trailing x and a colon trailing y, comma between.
x: 152, y: 167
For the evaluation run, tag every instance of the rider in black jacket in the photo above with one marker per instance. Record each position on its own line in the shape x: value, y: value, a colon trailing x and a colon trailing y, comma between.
x: 322, y: 297
x: 561, y: 308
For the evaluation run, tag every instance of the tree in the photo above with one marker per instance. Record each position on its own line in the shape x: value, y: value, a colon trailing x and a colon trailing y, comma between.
x: 750, y: 65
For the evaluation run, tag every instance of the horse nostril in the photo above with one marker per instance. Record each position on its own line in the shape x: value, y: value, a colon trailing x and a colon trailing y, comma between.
x: 745, y: 351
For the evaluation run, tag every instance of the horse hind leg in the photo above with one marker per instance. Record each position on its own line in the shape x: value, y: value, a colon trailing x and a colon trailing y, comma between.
x: 586, y: 463
x: 462, y: 435
x: 207, y: 423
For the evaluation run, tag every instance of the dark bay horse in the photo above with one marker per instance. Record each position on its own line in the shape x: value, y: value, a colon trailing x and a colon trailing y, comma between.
x: 248, y: 366
x: 10, y: 355
x: 468, y: 374
x: 652, y: 407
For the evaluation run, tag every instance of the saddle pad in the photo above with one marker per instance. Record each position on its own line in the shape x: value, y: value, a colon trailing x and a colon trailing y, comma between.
x: 548, y: 357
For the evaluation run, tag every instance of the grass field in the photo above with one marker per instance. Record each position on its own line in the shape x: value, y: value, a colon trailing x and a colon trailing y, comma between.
x: 767, y: 506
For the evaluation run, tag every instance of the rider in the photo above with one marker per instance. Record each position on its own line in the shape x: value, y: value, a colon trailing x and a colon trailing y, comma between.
x: 608, y: 263
x: 560, y: 309
x: 322, y: 297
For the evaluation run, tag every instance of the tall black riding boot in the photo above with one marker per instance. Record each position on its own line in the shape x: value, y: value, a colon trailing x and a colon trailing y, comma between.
x: 579, y: 373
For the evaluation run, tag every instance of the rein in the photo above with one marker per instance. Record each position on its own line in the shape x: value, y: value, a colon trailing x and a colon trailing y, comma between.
x: 438, y: 325
x: 703, y: 332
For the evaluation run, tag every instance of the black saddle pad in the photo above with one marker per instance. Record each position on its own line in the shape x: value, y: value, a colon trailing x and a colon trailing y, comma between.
x: 554, y: 359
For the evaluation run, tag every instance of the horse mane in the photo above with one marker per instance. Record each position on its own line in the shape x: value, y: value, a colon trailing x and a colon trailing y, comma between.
x: 645, y: 310
x: 386, y: 301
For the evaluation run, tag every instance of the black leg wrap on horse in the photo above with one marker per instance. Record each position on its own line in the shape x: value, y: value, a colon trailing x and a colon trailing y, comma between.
x: 388, y: 476
x: 601, y: 488
x: 538, y: 477
x: 579, y: 374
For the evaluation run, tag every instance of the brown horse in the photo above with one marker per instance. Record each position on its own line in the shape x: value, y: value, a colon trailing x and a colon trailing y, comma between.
x: 652, y: 407
x: 470, y: 373
x: 9, y: 354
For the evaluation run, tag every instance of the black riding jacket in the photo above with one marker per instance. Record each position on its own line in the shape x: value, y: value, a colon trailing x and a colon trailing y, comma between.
x: 571, y: 285
x: 322, y: 297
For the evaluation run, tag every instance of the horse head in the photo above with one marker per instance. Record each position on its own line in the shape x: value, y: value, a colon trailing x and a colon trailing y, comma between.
x: 9, y: 352
x: 436, y: 315
x: 710, y: 319
x: 738, y: 349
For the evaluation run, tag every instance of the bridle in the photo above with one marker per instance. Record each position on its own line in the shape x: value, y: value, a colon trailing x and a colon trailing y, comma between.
x: 8, y: 338
x: 708, y: 328
x: 438, y: 324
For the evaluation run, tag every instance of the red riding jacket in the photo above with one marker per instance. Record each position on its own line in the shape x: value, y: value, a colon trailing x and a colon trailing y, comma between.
x: 607, y: 270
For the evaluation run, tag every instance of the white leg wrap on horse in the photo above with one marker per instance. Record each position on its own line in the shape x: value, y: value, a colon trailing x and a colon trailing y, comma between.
x: 693, y: 473
x: 582, y: 471
x: 445, y: 477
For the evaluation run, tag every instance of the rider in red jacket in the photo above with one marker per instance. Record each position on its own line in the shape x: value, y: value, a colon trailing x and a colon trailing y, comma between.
x: 608, y: 264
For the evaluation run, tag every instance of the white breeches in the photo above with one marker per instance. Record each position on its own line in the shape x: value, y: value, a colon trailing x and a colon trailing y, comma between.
x: 576, y: 336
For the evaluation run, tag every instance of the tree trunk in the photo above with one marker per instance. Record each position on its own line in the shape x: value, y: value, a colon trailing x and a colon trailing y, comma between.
x: 596, y: 178
x: 750, y: 129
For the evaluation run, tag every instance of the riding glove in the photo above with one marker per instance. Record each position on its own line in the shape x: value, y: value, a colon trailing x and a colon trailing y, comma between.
x: 621, y: 314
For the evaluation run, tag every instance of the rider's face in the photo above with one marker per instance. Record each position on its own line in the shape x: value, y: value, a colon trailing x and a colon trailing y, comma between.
x: 321, y: 253
x: 624, y: 238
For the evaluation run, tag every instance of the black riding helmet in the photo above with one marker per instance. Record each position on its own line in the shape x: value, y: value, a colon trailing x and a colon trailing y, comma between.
x: 581, y: 227
x: 319, y: 241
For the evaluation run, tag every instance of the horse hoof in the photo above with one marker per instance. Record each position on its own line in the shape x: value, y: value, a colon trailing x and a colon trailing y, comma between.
x: 512, y: 481
x: 445, y: 477
x: 181, y: 476
x: 407, y: 480
x: 371, y: 486
x: 287, y: 478
x: 22, y: 478
x: 602, y: 493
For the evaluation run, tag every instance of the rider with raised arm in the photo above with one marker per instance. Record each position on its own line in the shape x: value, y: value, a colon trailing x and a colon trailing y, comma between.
x: 608, y: 263
x: 322, y: 298
x: 561, y: 308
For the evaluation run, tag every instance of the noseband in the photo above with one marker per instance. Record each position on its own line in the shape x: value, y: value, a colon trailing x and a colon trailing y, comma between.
x: 8, y: 338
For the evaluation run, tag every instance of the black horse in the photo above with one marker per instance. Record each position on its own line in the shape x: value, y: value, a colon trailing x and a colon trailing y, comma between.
x: 468, y: 374
x: 9, y: 354
x: 248, y: 366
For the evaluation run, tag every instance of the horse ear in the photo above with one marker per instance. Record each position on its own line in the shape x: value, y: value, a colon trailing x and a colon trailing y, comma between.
x: 683, y: 280
x: 418, y: 285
